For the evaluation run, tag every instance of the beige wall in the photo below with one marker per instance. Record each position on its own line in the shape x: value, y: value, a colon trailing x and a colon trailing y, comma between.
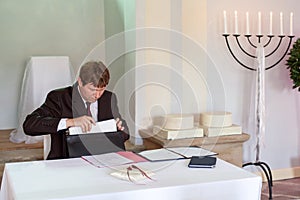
x: 167, y: 80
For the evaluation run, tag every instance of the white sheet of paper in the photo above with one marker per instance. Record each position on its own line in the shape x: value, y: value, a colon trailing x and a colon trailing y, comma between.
x: 160, y: 154
x: 188, y: 152
x: 107, y: 160
x: 100, y: 127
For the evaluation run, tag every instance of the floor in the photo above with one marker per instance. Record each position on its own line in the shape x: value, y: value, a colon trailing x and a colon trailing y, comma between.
x: 282, y: 190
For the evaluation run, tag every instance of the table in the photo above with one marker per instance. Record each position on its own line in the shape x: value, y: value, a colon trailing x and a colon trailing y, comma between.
x: 229, y: 147
x: 42, y: 74
x: 77, y: 179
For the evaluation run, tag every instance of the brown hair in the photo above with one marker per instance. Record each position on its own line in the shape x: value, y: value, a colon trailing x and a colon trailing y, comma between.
x: 95, y: 73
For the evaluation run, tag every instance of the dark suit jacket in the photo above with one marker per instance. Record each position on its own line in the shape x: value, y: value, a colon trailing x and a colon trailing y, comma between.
x: 67, y: 103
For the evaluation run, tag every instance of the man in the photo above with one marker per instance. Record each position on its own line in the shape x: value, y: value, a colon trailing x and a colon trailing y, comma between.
x: 67, y: 107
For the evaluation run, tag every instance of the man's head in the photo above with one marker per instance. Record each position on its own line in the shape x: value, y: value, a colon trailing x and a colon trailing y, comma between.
x: 93, y: 79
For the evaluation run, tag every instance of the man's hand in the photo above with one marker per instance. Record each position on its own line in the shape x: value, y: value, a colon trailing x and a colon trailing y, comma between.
x: 85, y: 122
x: 119, y: 125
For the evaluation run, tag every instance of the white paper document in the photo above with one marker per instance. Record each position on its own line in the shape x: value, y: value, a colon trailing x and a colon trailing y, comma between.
x: 160, y: 155
x: 175, y: 153
x: 188, y: 152
x: 107, y: 160
x: 100, y: 127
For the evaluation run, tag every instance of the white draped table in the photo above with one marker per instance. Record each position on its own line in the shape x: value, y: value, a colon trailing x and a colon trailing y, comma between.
x: 77, y: 179
x: 42, y: 74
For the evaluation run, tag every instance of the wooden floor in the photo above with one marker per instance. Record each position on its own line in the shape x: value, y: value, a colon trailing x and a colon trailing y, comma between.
x: 282, y: 190
x: 6, y: 145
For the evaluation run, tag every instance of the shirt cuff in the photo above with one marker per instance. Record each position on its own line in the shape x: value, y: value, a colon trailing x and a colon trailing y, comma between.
x: 62, y: 124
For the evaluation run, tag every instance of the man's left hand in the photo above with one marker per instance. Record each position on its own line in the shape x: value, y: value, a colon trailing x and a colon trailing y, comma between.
x: 119, y: 124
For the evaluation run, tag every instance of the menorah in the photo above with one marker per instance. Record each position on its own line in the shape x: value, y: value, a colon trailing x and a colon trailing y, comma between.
x: 254, y: 46
x: 268, y: 40
x: 259, y: 37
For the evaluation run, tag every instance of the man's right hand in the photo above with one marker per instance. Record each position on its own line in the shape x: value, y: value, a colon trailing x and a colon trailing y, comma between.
x: 85, y: 122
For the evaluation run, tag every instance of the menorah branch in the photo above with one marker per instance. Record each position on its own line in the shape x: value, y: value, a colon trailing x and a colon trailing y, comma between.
x: 259, y: 37
x: 286, y: 51
x: 226, y: 39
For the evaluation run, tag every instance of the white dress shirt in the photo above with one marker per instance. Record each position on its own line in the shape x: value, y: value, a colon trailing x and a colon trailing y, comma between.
x: 94, y: 110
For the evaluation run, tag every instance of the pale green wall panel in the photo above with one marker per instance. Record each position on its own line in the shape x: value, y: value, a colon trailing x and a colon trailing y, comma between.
x: 43, y: 28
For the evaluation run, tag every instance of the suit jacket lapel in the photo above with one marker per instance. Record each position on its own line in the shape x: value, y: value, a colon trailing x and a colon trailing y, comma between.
x: 99, y: 110
x: 105, y: 106
x: 77, y: 104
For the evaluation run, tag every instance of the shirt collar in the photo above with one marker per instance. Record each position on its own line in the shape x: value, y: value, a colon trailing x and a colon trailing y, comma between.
x: 84, y: 101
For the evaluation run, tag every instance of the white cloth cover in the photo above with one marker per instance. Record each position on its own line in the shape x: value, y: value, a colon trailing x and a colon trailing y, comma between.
x: 260, y: 99
x: 67, y: 179
x: 42, y: 74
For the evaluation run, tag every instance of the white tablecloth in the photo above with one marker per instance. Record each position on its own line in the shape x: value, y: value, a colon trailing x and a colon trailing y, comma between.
x: 77, y: 179
x: 42, y: 74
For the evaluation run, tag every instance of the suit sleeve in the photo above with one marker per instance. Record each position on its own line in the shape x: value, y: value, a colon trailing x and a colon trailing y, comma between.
x: 116, y: 114
x: 45, y: 119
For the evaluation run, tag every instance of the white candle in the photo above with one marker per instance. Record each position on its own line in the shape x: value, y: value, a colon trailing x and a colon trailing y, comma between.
x: 281, y: 23
x: 259, y: 23
x: 291, y: 24
x: 247, y: 24
x: 236, y: 22
x: 225, y: 22
x: 271, y: 22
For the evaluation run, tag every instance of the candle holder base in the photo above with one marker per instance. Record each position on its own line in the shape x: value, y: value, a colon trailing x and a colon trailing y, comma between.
x: 267, y: 171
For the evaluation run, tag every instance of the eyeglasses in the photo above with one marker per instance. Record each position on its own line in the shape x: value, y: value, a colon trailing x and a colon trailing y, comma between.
x: 133, y: 167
